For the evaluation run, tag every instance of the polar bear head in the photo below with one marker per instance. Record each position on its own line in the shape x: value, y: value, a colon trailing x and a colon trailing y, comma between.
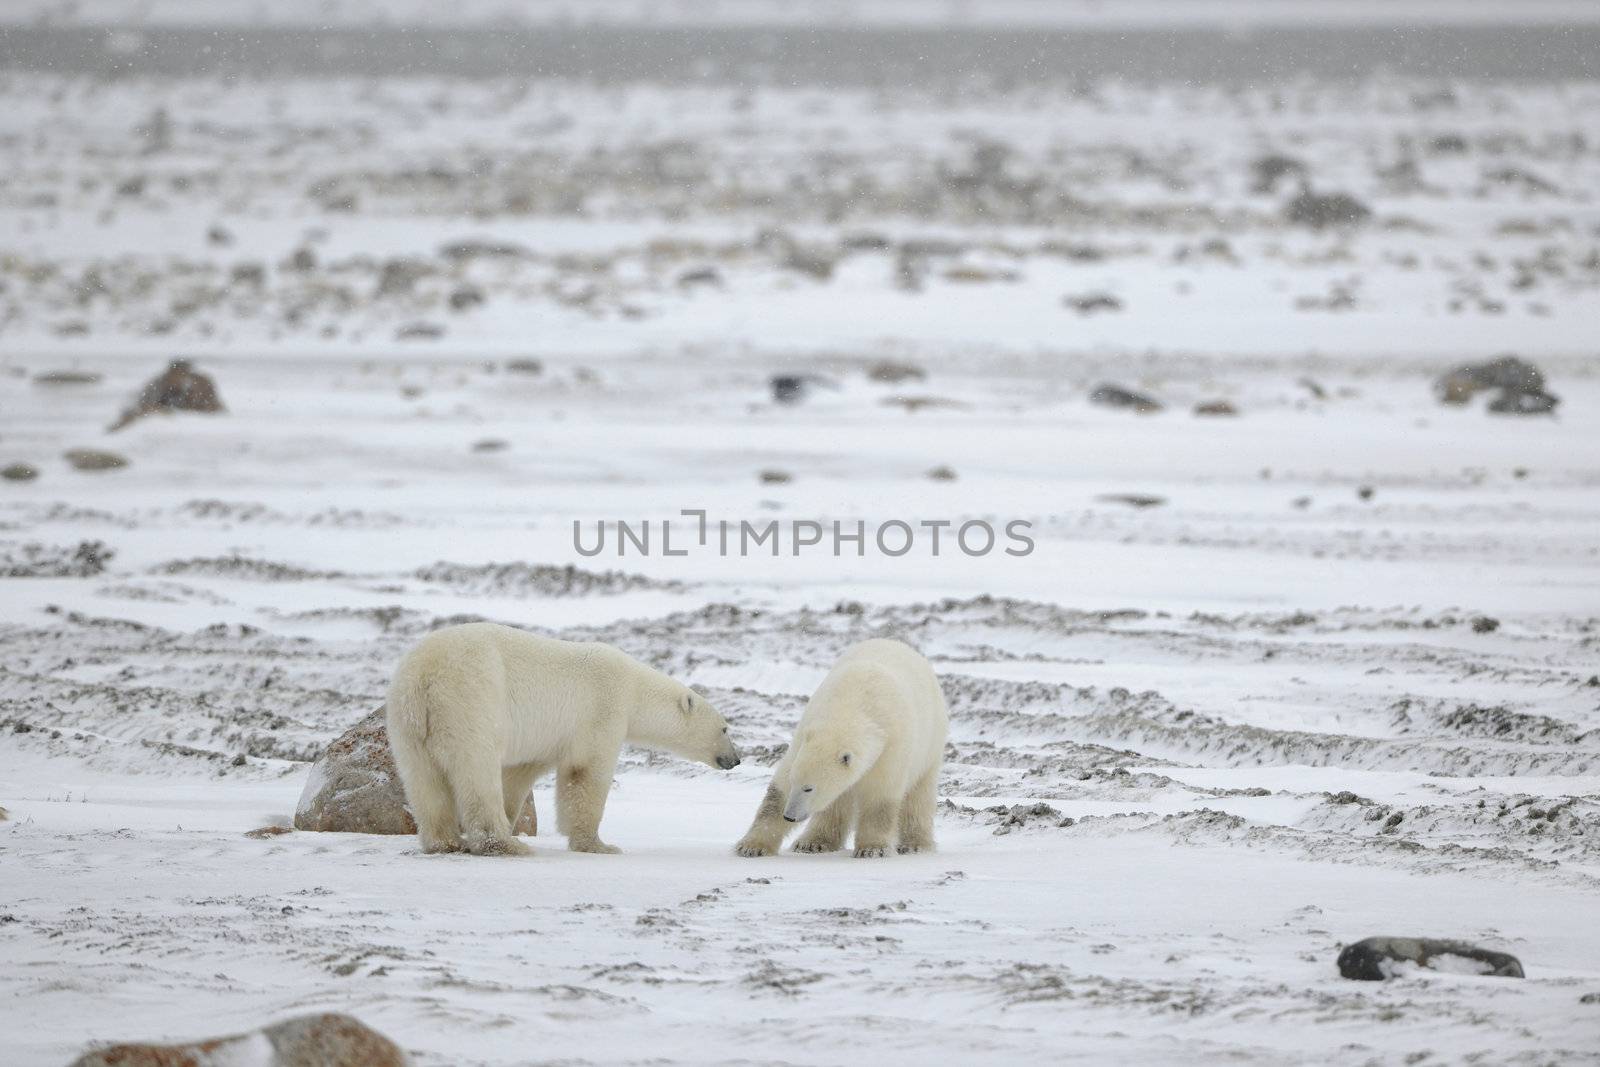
x: 829, y: 758
x: 692, y: 728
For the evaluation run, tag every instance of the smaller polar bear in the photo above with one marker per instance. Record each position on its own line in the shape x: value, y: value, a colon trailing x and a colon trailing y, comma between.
x: 477, y: 712
x: 866, y: 755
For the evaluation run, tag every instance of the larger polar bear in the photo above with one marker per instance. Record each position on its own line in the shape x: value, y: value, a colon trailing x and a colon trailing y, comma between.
x: 865, y: 756
x: 477, y: 712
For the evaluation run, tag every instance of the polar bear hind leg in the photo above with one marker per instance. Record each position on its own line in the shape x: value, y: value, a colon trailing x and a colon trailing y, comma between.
x: 916, y: 814
x: 428, y: 794
x: 481, y: 806
x: 515, y: 782
x: 829, y: 827
x: 876, y: 827
x: 581, y: 792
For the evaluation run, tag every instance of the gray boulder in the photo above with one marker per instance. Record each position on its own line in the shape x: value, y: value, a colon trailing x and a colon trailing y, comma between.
x: 1377, y: 958
x: 355, y: 787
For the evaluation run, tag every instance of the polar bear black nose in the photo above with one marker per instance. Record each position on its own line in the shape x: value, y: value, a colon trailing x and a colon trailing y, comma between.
x: 728, y: 763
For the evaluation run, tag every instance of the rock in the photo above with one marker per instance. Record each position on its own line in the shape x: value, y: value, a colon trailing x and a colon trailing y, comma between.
x: 491, y: 444
x: 466, y: 297
x: 1220, y: 408
x: 1115, y: 396
x: 219, y: 236
x: 66, y: 377
x: 262, y: 833
x: 19, y: 472
x: 893, y: 372
x: 1485, y: 624
x: 706, y: 276
x: 1521, y: 386
x: 306, y: 1041
x: 419, y: 331
x: 1089, y: 303
x: 90, y: 459
x: 178, y: 388
x: 1321, y: 211
x: 354, y: 787
x: 1133, y: 500
x: 788, y: 388
x: 1366, y: 492
x: 1267, y: 171
x: 529, y: 367
x: 1377, y: 958
x: 775, y: 477
x: 942, y: 474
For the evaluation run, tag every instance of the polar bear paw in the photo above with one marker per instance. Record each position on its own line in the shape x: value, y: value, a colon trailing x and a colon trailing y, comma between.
x: 817, y: 846
x: 906, y: 850
x: 872, y: 852
x: 497, y: 846
x: 751, y: 849
x: 597, y: 847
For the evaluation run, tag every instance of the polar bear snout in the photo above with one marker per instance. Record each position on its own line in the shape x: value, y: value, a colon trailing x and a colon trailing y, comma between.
x: 728, y: 761
x: 796, y: 810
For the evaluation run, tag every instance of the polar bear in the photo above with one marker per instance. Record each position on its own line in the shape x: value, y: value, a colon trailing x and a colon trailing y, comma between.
x: 477, y: 712
x: 866, y: 754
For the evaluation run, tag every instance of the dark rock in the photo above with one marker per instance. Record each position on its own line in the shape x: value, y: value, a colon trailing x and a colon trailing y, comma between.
x: 1115, y: 396
x: 219, y: 236
x: 706, y: 276
x: 1321, y: 211
x: 1376, y: 958
x: 1089, y: 303
x: 354, y: 787
x: 775, y: 477
x: 788, y: 388
x: 1366, y: 492
x: 893, y: 372
x: 19, y: 472
x: 1219, y: 408
x: 529, y: 367
x: 307, y: 1041
x: 178, y: 388
x: 66, y: 377
x: 399, y: 276
x: 1521, y: 386
x: 491, y: 444
x: 466, y: 297
x: 33, y: 560
x: 89, y: 459
x: 1483, y: 624
x: 1267, y: 171
x: 942, y: 474
x: 1133, y: 500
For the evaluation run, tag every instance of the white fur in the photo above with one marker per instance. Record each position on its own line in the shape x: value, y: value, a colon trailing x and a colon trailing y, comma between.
x: 477, y: 712
x: 865, y: 756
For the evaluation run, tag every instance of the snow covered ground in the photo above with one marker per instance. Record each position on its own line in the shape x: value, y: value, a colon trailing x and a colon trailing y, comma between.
x: 1266, y: 684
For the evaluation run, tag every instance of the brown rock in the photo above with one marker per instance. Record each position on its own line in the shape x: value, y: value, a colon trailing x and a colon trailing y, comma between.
x: 1216, y: 408
x: 307, y: 1041
x: 20, y: 472
x: 355, y: 788
x: 90, y: 459
x: 178, y: 388
x: 262, y: 833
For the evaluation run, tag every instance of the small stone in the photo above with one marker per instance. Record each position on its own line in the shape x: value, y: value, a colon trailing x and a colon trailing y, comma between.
x: 788, y: 388
x: 530, y: 367
x: 1377, y: 958
x: 1089, y: 303
x: 1133, y: 500
x: 19, y: 472
x: 709, y: 277
x: 1366, y: 492
x: 178, y: 388
x: 491, y: 444
x: 327, y: 1040
x: 1115, y: 396
x: 466, y: 297
x: 66, y: 377
x: 1219, y: 408
x: 775, y: 477
x: 262, y: 833
x: 90, y: 459
x: 893, y: 372
x: 942, y: 474
x: 240, y: 760
x: 1483, y: 624
x: 1320, y: 211
x: 419, y: 331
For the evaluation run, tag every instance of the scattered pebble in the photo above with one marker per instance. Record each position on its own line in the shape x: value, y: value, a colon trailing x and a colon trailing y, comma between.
x: 1115, y: 396
x: 91, y: 459
x: 1216, y: 408
x: 942, y: 474
x: 19, y: 472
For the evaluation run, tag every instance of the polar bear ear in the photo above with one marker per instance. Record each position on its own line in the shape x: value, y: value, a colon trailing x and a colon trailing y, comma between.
x: 845, y: 759
x: 686, y: 702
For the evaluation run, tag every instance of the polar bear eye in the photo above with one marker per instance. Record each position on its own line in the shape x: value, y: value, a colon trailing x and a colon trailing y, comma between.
x: 845, y: 759
x: 807, y: 789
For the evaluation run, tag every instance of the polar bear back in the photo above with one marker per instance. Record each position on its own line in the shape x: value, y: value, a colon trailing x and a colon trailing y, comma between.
x: 889, y: 684
x: 536, y: 695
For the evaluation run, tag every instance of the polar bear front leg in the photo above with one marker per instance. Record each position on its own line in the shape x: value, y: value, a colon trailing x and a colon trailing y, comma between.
x: 829, y: 827
x: 765, y: 835
x: 916, y: 814
x: 581, y: 792
x: 875, y: 830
